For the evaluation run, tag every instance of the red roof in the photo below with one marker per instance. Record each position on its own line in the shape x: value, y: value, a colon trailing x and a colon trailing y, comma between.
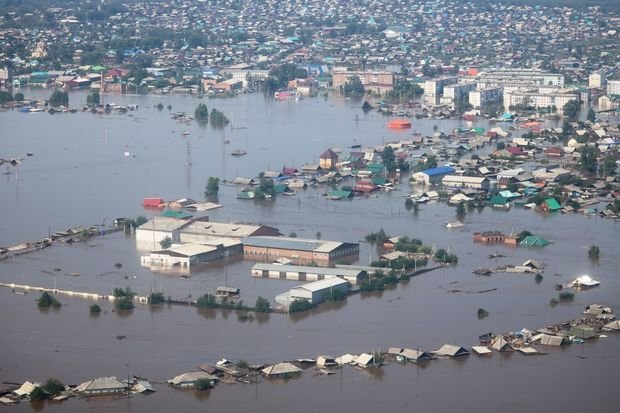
x: 153, y: 202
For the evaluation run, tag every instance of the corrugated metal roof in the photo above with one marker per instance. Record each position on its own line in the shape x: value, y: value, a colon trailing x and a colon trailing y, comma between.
x: 321, y: 284
x: 326, y: 271
x: 221, y: 229
x: 191, y: 377
x: 300, y: 244
x: 165, y: 224
x: 281, y: 368
x: 101, y: 384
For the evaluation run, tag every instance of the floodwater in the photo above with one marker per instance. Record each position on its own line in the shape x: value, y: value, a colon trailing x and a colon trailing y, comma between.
x: 79, y: 175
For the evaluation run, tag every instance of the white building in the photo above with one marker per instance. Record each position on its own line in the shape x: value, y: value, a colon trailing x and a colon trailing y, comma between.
x: 459, y: 91
x: 314, y: 292
x: 245, y: 74
x: 459, y: 181
x: 434, y: 87
x: 540, y: 99
x: 532, y: 77
x: 595, y: 80
x: 613, y: 87
x: 482, y: 97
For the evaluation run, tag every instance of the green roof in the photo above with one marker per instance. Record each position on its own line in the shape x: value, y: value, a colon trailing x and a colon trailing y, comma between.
x: 377, y: 180
x: 339, y: 194
x: 498, y: 200
x: 552, y: 204
x: 279, y: 188
x: 171, y: 213
x: 534, y: 241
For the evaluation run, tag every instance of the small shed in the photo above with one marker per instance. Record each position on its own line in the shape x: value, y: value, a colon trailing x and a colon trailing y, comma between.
x: 328, y: 159
x: 500, y: 344
x: 481, y: 350
x: 534, y: 241
x: 325, y: 361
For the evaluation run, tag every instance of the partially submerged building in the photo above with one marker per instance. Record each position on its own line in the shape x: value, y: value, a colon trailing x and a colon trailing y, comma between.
x: 304, y: 273
x: 299, y: 250
x: 102, y: 386
x: 189, y: 379
x: 314, y: 293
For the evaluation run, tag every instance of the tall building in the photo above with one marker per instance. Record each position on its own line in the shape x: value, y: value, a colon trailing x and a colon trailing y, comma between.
x: 377, y: 81
x: 595, y: 80
x: 520, y: 77
x: 481, y: 97
x: 613, y: 87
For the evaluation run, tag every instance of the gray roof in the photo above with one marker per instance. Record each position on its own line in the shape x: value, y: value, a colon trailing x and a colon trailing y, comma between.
x: 163, y: 224
x: 190, y: 377
x: 281, y: 368
x: 101, y: 384
x: 300, y: 244
x: 452, y: 351
x: 337, y: 272
x: 221, y: 229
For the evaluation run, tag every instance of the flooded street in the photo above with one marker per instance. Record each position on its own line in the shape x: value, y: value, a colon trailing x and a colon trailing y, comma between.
x: 79, y: 175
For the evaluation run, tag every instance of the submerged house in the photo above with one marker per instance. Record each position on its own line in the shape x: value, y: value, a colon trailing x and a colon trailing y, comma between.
x: 189, y: 379
x: 534, y: 241
x: 449, y: 350
x: 102, y: 386
x: 279, y: 369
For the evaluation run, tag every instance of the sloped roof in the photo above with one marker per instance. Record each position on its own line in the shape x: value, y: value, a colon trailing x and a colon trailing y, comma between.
x: 534, y: 241
x: 101, y: 384
x: 451, y: 351
x: 281, y: 368
x: 190, y: 377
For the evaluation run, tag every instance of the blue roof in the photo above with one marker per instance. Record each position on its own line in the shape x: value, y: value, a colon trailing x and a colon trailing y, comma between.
x: 440, y: 170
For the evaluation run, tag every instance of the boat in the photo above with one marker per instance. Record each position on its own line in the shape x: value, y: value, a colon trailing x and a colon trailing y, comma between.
x: 355, y: 146
x: 185, y: 133
x: 238, y: 152
x: 454, y: 224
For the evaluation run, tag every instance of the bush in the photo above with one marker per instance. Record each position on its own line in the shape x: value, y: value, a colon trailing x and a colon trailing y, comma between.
x: 594, y: 251
x: 299, y: 305
x: 566, y: 296
x: 166, y: 242
x: 206, y: 301
x: 125, y: 303
x: 482, y: 313
x: 336, y: 295
x: 442, y: 256
x: 377, y: 237
x: 242, y: 364
x: 538, y: 278
x: 203, y: 384
x: 156, y: 298
x: 262, y: 305
x: 121, y: 293
x: 95, y: 309
x: 53, y: 386
x: 38, y: 394
x: 47, y: 300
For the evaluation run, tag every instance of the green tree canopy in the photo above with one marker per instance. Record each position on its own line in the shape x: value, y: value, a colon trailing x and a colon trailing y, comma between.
x: 262, y: 305
x: 201, y: 113
x: 213, y: 187
x: 587, y: 159
x: 354, y: 87
x: 59, y: 98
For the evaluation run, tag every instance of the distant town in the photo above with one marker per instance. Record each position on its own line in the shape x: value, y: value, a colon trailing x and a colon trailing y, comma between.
x: 531, y: 94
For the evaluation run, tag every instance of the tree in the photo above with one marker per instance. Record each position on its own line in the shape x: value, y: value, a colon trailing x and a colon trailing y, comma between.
x: 201, y: 113
x: 213, y: 187
x: 318, y: 235
x: 53, y: 386
x: 218, y: 119
x: 389, y: 159
x: 124, y: 303
x: 59, y: 98
x: 460, y: 209
x: 571, y: 109
x: 206, y: 301
x: 262, y: 305
x: 93, y: 98
x: 591, y: 115
x: 95, y: 309
x: 354, y: 87
x: 140, y: 220
x: 299, y: 305
x: 156, y: 298
x: 166, y: 242
x: 203, y: 384
x: 123, y: 293
x: 609, y: 165
x: 47, y: 300
x: 19, y: 97
x: 38, y: 394
x: 587, y: 159
x: 594, y: 251
x: 5, y: 97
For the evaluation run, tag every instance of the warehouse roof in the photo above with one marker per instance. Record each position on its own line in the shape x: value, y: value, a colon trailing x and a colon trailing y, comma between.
x: 221, y: 229
x: 301, y: 244
x: 163, y: 224
x: 336, y: 272
x: 322, y: 284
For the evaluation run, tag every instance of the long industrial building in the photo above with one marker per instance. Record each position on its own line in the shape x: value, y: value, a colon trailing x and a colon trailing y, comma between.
x: 315, y: 292
x: 304, y: 273
x: 299, y: 250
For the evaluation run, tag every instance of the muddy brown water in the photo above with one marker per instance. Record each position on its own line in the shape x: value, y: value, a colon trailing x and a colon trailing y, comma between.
x: 80, y: 176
